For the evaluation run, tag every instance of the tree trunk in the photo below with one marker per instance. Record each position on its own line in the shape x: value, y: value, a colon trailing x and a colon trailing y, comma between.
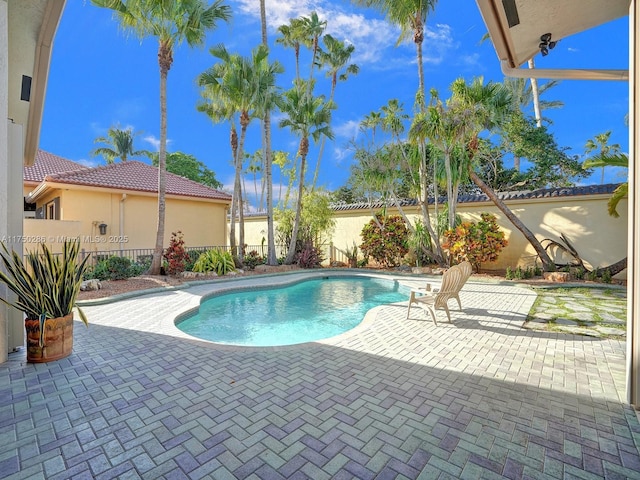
x: 296, y: 222
x: 156, y: 262
x: 436, y: 253
x: 324, y: 138
x: 450, y: 200
x: 535, y: 93
x: 547, y: 263
x: 268, y: 157
x: 617, y: 267
x: 237, y: 191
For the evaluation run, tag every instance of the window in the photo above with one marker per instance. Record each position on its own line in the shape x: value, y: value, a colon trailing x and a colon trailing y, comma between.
x: 52, y: 209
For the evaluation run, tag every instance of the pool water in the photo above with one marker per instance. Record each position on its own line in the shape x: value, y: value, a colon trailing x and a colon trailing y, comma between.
x: 304, y: 312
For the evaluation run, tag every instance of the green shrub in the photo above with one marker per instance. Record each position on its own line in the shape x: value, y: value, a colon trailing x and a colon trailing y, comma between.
x: 192, y: 258
x: 508, y: 274
x: 386, y: 245
x: 214, y: 261
x: 606, y: 276
x: 252, y: 259
x: 137, y: 268
x: 118, y: 267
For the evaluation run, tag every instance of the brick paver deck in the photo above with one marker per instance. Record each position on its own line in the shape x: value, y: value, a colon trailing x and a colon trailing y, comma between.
x: 476, y: 398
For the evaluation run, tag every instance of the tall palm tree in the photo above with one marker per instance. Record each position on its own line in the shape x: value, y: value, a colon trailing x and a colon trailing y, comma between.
x: 306, y: 116
x: 334, y: 57
x: 311, y: 28
x: 172, y: 22
x: 600, y: 143
x: 291, y: 36
x: 268, y: 155
x: 446, y: 126
x: 120, y: 143
x: 220, y: 110
x: 244, y: 84
x: 411, y: 17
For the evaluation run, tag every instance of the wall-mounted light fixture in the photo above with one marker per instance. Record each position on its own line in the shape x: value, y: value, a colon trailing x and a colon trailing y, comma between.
x: 103, y: 228
x: 546, y: 44
x: 25, y: 89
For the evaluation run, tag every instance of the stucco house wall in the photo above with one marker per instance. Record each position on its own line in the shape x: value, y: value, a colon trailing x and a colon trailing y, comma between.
x: 123, y: 197
x: 131, y: 220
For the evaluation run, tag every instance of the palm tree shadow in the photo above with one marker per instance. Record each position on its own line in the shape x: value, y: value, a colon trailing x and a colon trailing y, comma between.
x: 494, y: 321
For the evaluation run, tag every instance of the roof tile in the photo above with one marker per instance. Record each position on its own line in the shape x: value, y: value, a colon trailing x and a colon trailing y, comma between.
x: 47, y: 163
x: 135, y: 176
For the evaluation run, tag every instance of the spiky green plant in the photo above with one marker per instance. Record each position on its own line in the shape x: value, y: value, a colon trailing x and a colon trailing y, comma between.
x: 46, y: 284
x: 214, y: 261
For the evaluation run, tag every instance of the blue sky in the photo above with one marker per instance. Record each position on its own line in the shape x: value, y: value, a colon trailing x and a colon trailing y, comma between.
x: 101, y: 76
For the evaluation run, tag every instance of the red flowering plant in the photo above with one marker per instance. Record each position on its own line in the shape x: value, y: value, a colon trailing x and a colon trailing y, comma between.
x: 176, y: 254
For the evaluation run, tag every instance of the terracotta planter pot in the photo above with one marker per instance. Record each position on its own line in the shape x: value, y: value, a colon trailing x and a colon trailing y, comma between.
x: 58, y: 339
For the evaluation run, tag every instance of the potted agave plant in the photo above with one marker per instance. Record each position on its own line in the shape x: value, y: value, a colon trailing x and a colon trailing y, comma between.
x: 46, y: 286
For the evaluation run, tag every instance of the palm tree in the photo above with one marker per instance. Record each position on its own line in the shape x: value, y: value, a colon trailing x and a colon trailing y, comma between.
x: 292, y: 37
x: 311, y: 28
x: 335, y: 57
x: 172, y: 21
x: 268, y: 155
x: 306, y: 116
x: 601, y: 143
x: 120, y: 143
x: 220, y: 110
x: 446, y: 125
x: 611, y: 160
x: 491, y: 106
x: 246, y: 85
x: 411, y: 17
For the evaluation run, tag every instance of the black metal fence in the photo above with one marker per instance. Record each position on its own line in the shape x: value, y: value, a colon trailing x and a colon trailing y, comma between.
x: 144, y: 255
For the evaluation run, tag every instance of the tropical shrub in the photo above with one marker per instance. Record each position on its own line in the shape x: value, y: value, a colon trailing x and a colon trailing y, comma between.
x: 252, y: 259
x: 117, y: 268
x: 309, y: 256
x: 175, y: 254
x: 418, y: 241
x: 476, y: 242
x: 215, y: 261
x: 192, y: 258
x: 385, y: 240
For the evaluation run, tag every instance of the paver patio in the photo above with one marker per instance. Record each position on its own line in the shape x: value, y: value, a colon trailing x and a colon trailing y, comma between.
x: 394, y: 398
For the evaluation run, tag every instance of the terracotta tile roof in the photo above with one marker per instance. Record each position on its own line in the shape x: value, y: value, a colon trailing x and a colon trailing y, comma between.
x: 47, y: 163
x: 136, y: 176
x: 606, y: 189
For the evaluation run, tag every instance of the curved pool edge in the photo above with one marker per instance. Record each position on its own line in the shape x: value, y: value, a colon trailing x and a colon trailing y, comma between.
x: 249, y: 284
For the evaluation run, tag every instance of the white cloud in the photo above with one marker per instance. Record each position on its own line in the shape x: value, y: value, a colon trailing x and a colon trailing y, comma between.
x: 89, y: 163
x: 348, y: 129
x: 369, y: 35
x: 573, y: 50
x: 155, y: 142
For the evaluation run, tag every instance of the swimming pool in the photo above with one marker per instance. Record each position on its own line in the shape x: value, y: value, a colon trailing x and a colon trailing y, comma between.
x: 303, y: 312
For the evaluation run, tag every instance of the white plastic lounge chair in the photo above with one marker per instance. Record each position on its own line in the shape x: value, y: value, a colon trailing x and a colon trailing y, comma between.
x: 452, y: 281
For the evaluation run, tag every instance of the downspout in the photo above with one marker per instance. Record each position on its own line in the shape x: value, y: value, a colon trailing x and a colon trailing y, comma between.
x: 121, y: 236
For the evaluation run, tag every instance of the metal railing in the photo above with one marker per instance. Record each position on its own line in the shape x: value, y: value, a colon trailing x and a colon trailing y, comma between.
x: 144, y: 255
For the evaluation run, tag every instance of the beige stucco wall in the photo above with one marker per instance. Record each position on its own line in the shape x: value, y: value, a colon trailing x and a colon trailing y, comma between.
x: 600, y: 239
x: 131, y: 219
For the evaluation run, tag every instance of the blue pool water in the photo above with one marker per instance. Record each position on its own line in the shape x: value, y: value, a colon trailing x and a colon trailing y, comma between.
x: 304, y: 312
